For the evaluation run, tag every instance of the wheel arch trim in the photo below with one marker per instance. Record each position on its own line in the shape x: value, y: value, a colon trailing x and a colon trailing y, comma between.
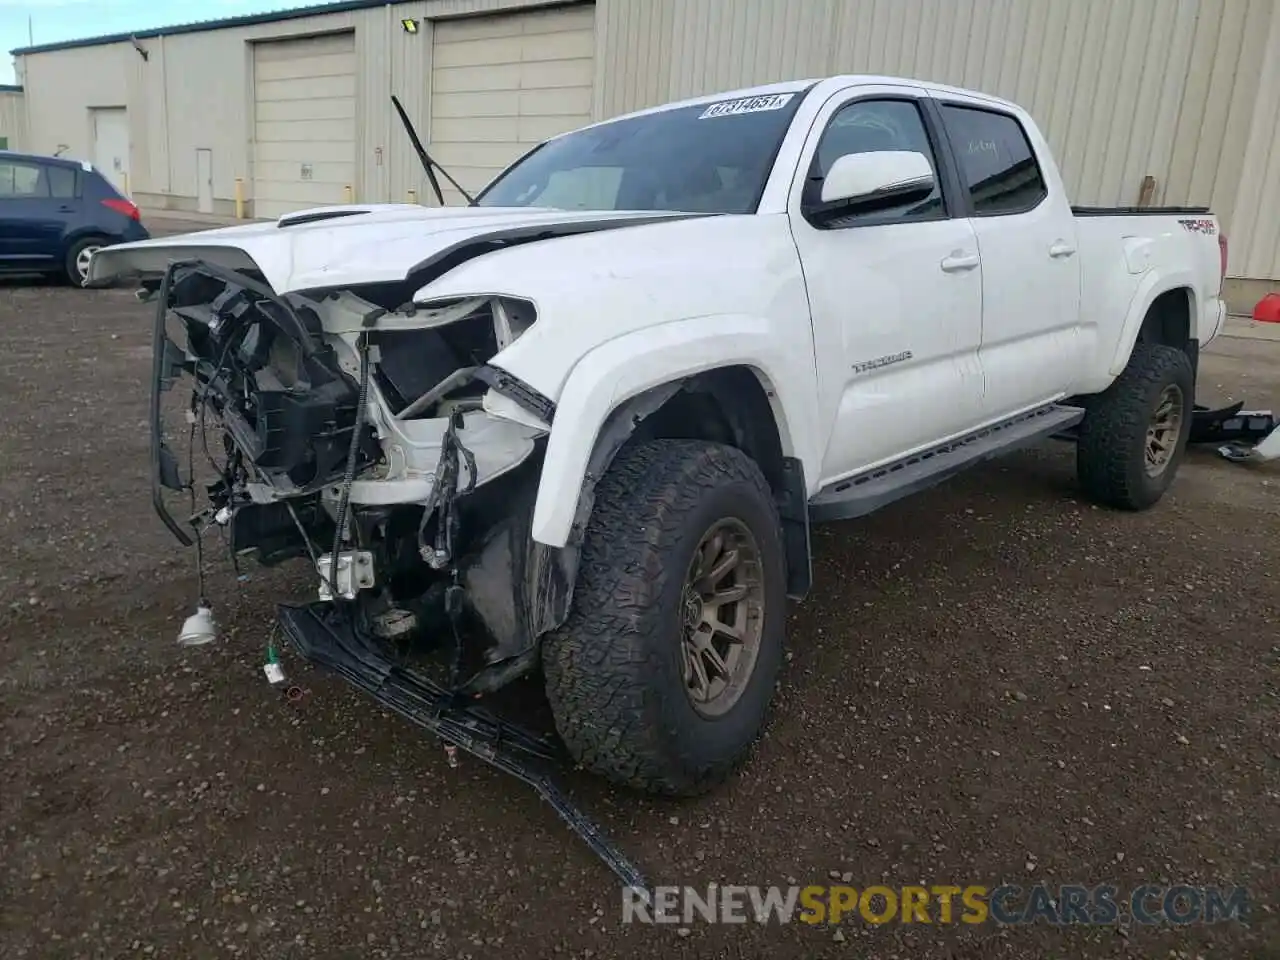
x: 628, y: 378
x: 1151, y: 289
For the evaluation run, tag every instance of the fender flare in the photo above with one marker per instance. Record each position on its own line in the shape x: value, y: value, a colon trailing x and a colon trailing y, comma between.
x: 633, y: 375
x: 1153, y: 286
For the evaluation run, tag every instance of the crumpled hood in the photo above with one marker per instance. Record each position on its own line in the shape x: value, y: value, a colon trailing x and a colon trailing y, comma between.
x: 344, y: 246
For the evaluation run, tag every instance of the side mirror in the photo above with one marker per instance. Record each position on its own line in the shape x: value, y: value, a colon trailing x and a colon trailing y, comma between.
x: 860, y: 183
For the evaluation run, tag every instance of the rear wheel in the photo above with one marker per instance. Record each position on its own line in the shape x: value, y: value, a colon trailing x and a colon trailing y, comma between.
x: 662, y: 675
x: 76, y: 267
x: 1134, y: 434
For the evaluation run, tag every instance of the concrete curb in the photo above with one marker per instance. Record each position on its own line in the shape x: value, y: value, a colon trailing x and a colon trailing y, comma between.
x: 1246, y: 329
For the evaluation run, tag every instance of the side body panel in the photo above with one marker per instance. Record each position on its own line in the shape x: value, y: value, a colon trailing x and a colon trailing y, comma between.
x: 1129, y: 261
x: 648, y: 305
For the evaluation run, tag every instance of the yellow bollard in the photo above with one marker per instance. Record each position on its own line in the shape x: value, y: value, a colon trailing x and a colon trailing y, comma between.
x: 239, y: 198
x: 413, y: 196
x: 348, y: 195
x: 124, y: 177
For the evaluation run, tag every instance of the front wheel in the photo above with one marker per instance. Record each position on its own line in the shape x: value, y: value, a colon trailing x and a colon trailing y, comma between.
x: 1134, y: 434
x: 661, y: 677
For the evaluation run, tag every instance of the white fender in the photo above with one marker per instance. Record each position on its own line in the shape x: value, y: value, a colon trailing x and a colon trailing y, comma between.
x: 629, y: 365
x: 1151, y: 287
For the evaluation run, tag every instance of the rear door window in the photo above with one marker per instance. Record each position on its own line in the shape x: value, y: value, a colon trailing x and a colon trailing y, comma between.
x: 62, y: 182
x: 996, y: 160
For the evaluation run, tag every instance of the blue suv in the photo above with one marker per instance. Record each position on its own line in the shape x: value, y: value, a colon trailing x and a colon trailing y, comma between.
x: 55, y: 213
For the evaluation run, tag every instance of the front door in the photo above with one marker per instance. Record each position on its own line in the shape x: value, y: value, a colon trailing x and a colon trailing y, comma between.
x: 896, y: 296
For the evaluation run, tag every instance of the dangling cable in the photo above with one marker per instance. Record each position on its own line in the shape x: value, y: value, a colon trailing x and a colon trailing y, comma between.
x: 349, y: 475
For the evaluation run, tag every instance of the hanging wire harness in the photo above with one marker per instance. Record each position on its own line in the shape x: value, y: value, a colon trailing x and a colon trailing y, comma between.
x: 296, y: 429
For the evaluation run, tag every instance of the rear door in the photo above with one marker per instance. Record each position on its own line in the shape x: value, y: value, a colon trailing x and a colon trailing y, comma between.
x: 1031, y: 339
x: 32, y: 220
x: 895, y: 296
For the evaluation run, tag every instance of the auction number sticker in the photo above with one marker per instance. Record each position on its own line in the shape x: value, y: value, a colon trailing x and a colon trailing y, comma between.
x: 731, y: 108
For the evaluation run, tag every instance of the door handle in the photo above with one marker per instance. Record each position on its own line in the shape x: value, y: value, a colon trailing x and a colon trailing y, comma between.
x: 66, y: 209
x: 1061, y: 249
x: 958, y: 262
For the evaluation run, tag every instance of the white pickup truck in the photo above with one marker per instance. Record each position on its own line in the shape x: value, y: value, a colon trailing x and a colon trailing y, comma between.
x: 586, y: 421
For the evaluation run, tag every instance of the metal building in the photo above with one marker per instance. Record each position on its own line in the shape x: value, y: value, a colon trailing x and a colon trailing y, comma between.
x: 1153, y: 101
x: 13, y: 118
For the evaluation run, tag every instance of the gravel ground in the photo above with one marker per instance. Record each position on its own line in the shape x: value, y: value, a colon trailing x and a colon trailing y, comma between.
x: 995, y: 682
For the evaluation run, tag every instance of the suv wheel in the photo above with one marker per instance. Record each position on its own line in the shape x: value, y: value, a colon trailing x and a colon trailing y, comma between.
x: 1134, y: 434
x: 661, y: 677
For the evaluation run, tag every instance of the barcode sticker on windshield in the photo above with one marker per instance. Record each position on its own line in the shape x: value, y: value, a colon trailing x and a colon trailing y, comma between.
x: 731, y: 108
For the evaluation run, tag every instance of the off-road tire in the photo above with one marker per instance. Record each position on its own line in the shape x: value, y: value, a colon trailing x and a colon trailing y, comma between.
x: 613, y: 671
x: 1110, y: 455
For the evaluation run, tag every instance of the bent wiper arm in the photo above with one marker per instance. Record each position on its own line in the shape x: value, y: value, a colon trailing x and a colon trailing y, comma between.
x: 429, y: 165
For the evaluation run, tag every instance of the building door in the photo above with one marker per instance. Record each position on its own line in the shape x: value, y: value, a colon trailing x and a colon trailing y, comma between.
x: 304, y: 94
x: 502, y: 84
x: 204, y: 181
x: 111, y: 145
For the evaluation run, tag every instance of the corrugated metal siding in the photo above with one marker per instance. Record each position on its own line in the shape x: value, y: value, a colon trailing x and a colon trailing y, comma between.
x: 1255, y: 231
x: 13, y: 119
x: 1161, y: 88
x: 1184, y: 91
x: 662, y: 50
x: 195, y: 90
x: 1123, y: 90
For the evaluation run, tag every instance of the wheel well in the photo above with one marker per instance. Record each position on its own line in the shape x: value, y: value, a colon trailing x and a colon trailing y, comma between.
x: 728, y: 405
x: 1168, y: 320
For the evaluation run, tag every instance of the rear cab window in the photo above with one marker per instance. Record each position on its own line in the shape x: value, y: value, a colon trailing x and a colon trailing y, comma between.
x: 998, y: 166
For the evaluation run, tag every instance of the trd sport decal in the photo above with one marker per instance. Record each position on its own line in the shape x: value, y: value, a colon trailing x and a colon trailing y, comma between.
x: 1199, y: 225
x: 864, y: 365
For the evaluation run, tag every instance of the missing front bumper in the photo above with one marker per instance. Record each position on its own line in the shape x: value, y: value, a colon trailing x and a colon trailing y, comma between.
x: 325, y: 635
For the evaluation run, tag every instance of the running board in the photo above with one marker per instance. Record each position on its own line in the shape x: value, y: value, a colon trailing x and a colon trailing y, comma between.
x: 859, y: 495
x: 323, y: 635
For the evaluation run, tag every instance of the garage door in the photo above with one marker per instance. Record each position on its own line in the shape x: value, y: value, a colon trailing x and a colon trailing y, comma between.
x: 501, y: 84
x: 305, y: 126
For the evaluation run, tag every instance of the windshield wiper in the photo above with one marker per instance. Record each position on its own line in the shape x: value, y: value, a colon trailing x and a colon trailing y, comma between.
x: 429, y: 165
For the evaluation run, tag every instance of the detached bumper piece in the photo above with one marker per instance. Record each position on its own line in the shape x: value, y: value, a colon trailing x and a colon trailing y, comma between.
x: 1243, y: 434
x: 323, y: 635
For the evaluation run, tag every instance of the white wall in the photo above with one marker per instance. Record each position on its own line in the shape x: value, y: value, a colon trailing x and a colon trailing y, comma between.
x: 1255, y: 228
x: 195, y: 90
x: 13, y: 119
x: 1123, y: 88
x: 61, y: 88
x: 1185, y: 91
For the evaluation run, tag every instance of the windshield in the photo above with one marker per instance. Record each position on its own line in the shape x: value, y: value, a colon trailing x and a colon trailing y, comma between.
x: 708, y: 158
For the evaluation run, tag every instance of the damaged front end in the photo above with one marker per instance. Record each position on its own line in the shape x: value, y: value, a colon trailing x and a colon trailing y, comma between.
x: 380, y: 443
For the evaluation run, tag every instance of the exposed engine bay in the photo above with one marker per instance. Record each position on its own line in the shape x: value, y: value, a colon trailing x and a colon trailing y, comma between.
x: 353, y: 425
